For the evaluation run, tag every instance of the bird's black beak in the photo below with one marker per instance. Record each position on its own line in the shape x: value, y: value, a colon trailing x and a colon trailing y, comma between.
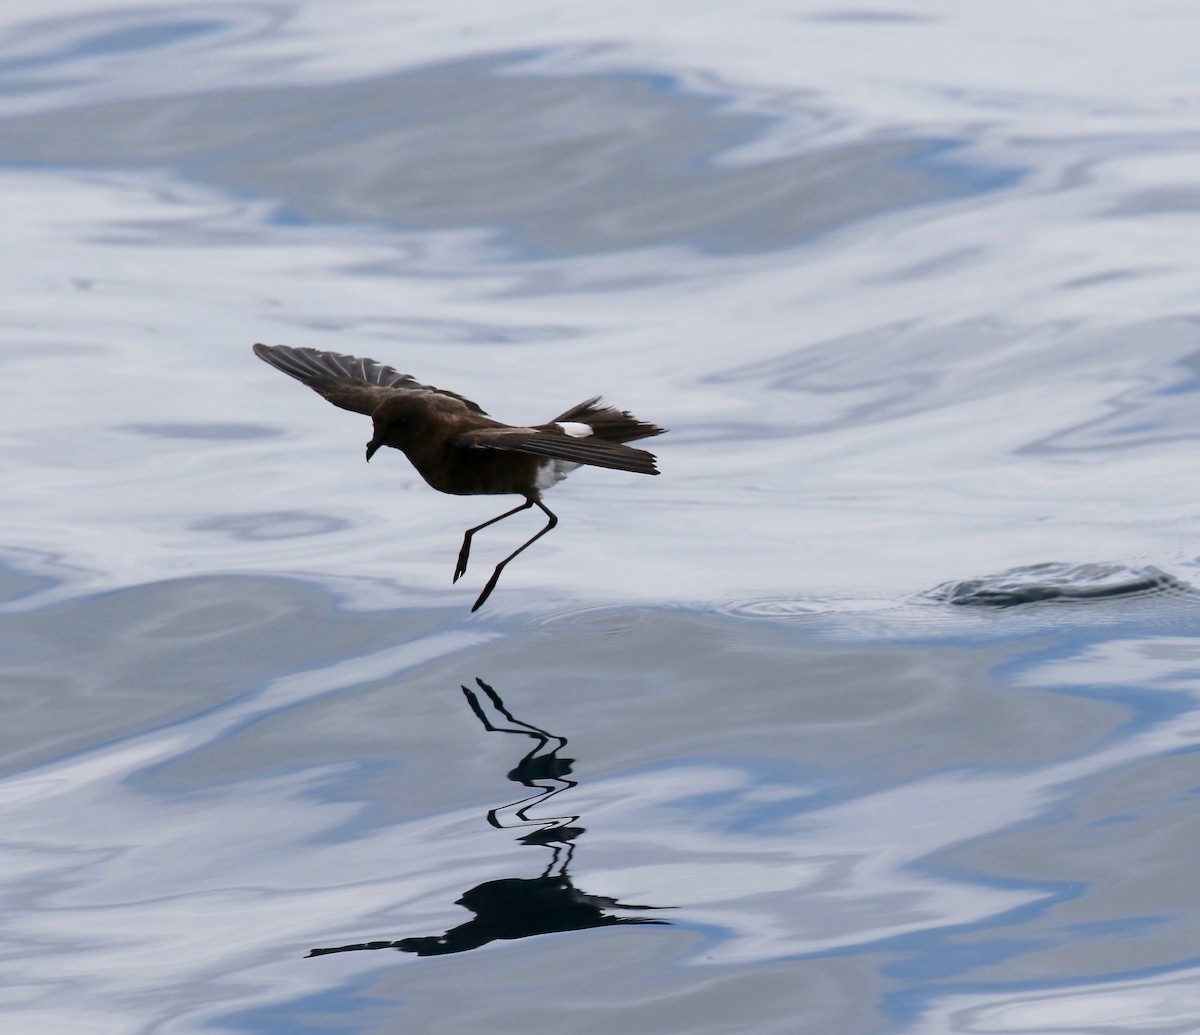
x: 372, y: 449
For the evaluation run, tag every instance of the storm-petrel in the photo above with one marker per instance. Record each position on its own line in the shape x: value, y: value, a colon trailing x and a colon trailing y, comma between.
x: 457, y: 448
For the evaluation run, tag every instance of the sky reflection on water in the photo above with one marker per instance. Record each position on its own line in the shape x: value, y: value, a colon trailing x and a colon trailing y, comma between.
x: 919, y: 814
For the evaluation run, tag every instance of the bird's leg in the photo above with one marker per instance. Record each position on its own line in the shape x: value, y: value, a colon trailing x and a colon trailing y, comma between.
x: 461, y: 568
x: 491, y: 584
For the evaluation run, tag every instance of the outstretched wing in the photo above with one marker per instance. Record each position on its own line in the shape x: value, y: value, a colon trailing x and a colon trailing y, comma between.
x: 347, y: 381
x: 560, y: 446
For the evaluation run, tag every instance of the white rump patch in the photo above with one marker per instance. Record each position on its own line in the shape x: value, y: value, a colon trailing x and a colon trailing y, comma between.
x: 554, y: 471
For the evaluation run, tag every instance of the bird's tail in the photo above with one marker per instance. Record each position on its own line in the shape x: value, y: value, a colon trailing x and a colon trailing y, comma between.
x: 607, y: 423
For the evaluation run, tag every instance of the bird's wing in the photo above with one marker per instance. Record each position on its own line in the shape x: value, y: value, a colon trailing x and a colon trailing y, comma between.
x: 348, y: 381
x: 559, y: 446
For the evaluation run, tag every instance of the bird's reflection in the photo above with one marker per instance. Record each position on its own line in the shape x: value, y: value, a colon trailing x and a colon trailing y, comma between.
x: 520, y: 907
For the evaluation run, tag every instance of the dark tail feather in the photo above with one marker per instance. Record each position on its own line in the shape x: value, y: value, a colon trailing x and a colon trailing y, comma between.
x: 609, y: 424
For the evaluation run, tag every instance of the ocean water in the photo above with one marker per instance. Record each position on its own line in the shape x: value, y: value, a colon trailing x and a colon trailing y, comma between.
x: 878, y: 711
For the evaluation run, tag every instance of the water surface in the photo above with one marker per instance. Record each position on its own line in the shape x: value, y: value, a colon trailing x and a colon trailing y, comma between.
x: 875, y: 712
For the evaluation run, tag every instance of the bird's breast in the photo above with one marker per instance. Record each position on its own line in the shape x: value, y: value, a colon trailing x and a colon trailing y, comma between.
x: 477, y: 472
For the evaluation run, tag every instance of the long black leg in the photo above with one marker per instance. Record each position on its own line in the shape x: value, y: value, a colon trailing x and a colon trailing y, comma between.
x: 491, y: 584
x: 461, y: 568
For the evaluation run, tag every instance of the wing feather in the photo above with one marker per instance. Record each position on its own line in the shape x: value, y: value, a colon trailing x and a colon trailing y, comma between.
x: 595, y: 452
x: 351, y: 382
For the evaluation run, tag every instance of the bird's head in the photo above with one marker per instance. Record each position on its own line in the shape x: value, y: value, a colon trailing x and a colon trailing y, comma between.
x: 399, y: 422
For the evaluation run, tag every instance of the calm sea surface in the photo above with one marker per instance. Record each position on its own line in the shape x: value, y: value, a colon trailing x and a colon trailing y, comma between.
x: 878, y: 712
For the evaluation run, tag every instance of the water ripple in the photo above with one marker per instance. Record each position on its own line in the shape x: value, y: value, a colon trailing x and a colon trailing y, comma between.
x: 796, y: 607
x: 1053, y: 581
x: 276, y: 524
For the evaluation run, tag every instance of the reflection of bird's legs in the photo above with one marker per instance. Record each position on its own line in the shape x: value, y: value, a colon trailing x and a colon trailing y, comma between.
x: 500, y: 707
x: 564, y: 851
x: 528, y: 729
x: 522, y: 773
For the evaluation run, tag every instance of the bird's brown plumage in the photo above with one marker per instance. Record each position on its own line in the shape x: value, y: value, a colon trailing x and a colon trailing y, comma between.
x: 456, y: 447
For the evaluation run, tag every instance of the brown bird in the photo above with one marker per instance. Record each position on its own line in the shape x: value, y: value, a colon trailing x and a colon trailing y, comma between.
x: 457, y: 448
